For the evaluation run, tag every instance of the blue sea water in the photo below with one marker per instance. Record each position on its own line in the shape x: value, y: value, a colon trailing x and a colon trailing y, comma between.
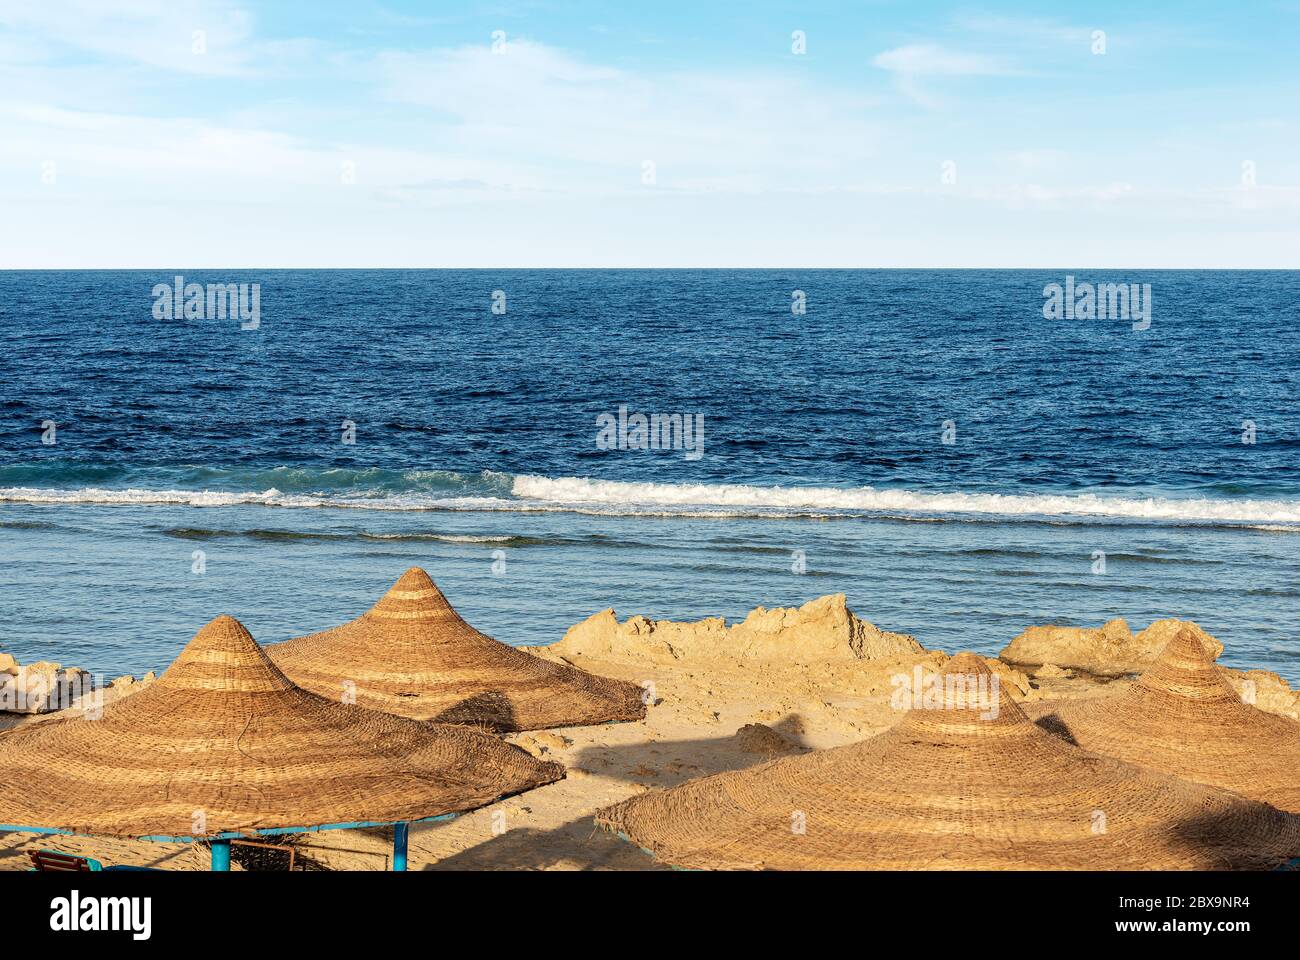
x: 476, y: 453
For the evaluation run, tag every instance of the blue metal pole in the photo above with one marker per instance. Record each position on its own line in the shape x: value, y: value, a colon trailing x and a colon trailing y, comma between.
x: 221, y: 855
x: 399, y: 845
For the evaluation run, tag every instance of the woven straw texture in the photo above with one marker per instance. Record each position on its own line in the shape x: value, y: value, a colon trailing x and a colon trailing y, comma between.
x: 411, y: 654
x: 953, y: 788
x: 1182, y: 717
x: 223, y: 742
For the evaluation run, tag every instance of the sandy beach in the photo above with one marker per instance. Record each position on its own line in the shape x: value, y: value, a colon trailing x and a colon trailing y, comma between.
x: 725, y: 697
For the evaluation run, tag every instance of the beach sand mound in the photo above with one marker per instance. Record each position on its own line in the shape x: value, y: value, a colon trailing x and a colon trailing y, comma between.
x: 1111, y: 650
x: 821, y: 630
x: 760, y: 739
x: 542, y: 743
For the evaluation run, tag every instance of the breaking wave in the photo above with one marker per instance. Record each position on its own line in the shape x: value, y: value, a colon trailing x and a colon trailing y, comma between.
x: 871, y: 500
x: 489, y: 491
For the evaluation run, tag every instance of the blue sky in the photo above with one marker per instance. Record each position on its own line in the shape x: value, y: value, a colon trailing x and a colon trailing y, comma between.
x: 667, y: 134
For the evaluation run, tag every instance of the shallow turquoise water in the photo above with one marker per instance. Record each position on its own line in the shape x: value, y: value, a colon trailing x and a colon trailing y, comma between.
x: 112, y: 588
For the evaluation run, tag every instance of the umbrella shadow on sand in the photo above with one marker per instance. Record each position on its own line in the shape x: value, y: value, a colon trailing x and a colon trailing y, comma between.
x: 580, y: 844
x: 666, y: 763
x: 576, y: 845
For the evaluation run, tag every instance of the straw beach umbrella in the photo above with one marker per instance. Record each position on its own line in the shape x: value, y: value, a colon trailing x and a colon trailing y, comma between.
x: 224, y: 745
x: 968, y: 784
x: 412, y: 654
x: 1182, y: 717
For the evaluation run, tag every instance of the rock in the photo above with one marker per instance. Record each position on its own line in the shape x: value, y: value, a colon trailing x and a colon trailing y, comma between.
x: 8, y: 664
x: 593, y: 637
x: 1050, y: 671
x: 1111, y: 650
x: 1265, y: 690
x: 821, y: 630
x: 149, y: 677
x: 1156, y: 636
x: 542, y: 742
x: 552, y: 740
x: 601, y: 636
x: 121, y: 682
x: 763, y: 740
x: 43, y: 688
x: 1012, y: 680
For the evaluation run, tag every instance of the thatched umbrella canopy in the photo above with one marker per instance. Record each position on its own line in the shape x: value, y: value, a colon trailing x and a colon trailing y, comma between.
x: 224, y: 744
x: 1182, y: 717
x: 971, y: 784
x: 412, y: 654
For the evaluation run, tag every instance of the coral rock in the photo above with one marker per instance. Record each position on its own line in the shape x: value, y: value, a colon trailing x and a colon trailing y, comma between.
x: 1111, y: 650
x: 821, y: 630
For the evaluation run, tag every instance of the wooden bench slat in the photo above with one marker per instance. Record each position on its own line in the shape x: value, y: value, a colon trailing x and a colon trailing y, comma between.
x: 48, y: 861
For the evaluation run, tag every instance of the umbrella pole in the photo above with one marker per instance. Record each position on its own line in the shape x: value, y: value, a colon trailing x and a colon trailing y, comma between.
x: 399, y: 845
x: 221, y: 855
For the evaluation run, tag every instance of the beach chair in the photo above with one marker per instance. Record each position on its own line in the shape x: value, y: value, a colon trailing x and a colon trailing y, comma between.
x: 51, y: 861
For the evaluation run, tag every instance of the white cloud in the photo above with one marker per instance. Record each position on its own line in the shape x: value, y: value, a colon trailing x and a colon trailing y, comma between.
x: 581, y: 126
x: 483, y: 126
x: 177, y: 159
x: 155, y: 33
x: 923, y: 60
x: 908, y: 63
x: 1036, y: 32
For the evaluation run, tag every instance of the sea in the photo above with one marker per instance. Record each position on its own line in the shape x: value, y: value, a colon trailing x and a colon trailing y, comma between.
x: 939, y: 445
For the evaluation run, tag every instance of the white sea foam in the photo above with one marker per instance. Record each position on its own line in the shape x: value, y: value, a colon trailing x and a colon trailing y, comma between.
x: 871, y: 500
x: 267, y: 498
x: 98, y: 495
x: 443, y: 537
x: 535, y: 494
